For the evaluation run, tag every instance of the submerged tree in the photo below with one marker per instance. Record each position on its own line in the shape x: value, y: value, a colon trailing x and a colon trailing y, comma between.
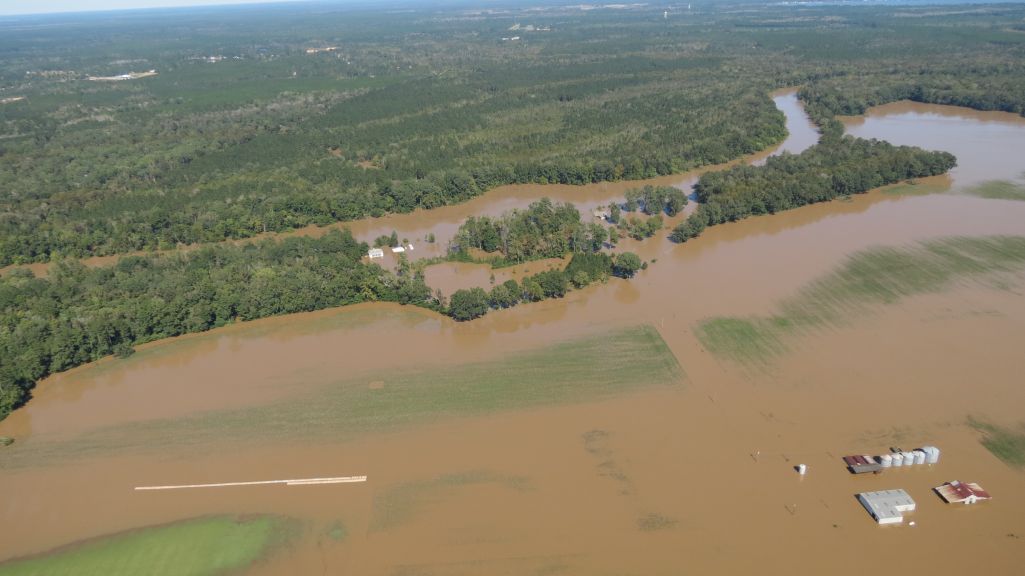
x: 627, y: 264
x: 468, y: 304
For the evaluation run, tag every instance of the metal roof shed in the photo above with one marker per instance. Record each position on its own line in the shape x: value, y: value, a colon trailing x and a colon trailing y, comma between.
x: 962, y: 492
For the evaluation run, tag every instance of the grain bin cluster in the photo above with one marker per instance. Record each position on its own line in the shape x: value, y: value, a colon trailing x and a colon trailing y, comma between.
x: 897, y: 458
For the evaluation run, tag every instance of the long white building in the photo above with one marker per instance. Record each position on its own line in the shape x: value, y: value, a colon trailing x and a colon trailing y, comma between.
x: 887, y: 506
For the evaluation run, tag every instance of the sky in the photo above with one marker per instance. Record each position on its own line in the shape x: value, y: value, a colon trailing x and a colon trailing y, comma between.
x: 9, y: 7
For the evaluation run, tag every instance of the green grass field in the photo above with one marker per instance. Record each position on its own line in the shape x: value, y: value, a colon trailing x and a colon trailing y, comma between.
x: 214, y: 545
x: 1007, y: 444
x: 867, y: 279
x: 573, y: 371
x: 998, y: 190
x: 580, y: 370
x: 746, y: 340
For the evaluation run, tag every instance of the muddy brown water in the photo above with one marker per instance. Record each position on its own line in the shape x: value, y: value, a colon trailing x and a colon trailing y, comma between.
x: 710, y: 460
x: 987, y: 144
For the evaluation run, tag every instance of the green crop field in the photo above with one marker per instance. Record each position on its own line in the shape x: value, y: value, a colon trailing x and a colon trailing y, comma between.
x: 200, y: 547
x: 868, y: 278
x: 580, y: 370
x: 998, y: 190
x: 1007, y: 444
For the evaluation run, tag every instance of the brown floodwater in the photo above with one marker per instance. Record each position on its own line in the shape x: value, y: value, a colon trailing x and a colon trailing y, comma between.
x: 692, y: 478
x: 451, y: 276
x: 988, y: 143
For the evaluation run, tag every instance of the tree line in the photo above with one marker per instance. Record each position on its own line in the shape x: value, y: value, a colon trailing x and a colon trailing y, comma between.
x: 78, y: 314
x: 835, y: 167
x: 583, y: 269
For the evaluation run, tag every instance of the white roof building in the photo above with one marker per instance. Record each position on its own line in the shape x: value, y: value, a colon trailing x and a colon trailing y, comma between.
x: 375, y: 253
x: 887, y: 506
x: 398, y: 249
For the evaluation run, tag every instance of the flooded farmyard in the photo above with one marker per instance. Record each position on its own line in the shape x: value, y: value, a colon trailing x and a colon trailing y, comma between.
x: 685, y: 458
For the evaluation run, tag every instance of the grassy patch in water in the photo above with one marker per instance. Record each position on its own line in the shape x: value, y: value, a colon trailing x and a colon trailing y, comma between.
x: 337, y: 531
x: 581, y: 370
x: 1005, y: 443
x: 200, y: 547
x: 869, y: 278
x: 748, y: 340
x: 574, y: 371
x: 913, y: 189
x: 998, y: 190
x: 397, y: 504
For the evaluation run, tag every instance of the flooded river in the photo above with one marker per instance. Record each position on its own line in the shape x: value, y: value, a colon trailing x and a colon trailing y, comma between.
x: 697, y: 477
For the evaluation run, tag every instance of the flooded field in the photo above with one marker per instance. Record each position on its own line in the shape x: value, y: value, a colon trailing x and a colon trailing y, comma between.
x: 664, y: 470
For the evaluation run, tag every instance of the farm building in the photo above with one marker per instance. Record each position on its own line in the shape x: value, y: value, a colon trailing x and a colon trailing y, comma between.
x: 860, y: 464
x: 887, y: 506
x: 398, y: 249
x: 962, y: 492
x: 375, y: 253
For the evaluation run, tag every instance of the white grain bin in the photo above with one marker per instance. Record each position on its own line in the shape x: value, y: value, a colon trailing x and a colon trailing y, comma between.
x: 919, y: 457
x: 909, y: 458
x: 898, y: 459
x: 932, y: 454
x: 886, y: 460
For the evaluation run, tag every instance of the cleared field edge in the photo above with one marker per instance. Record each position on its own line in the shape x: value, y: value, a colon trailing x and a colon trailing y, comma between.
x: 866, y: 280
x: 193, y: 547
x: 992, y: 189
x: 1007, y: 444
x: 997, y: 190
x: 591, y: 368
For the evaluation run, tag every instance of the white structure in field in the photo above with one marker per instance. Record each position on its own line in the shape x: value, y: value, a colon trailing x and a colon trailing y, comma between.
x: 398, y: 250
x: 375, y: 253
x: 887, y: 506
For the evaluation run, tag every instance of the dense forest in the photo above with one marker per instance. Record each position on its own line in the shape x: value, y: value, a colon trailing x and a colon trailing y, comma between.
x: 248, y: 128
x: 830, y: 169
x: 412, y: 110
x: 79, y: 314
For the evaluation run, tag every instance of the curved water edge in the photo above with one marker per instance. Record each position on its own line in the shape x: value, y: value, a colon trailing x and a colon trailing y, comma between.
x: 442, y: 222
x: 987, y: 144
